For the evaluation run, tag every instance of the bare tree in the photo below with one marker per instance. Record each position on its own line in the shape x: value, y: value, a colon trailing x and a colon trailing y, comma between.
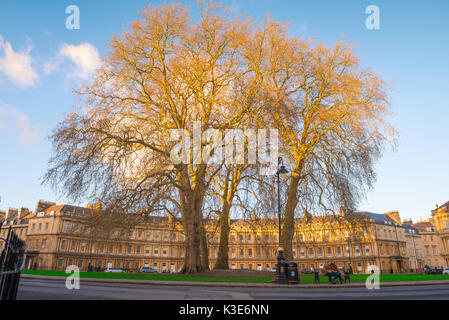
x: 331, y: 117
x: 165, y: 73
x: 168, y: 72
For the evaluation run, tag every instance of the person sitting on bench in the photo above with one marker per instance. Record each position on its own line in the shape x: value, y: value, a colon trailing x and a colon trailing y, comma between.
x: 332, y: 272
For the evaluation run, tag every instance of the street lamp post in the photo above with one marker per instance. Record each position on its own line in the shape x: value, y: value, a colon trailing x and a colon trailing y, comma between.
x: 281, y: 276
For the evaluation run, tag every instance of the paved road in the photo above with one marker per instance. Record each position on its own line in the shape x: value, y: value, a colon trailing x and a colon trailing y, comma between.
x: 52, y: 289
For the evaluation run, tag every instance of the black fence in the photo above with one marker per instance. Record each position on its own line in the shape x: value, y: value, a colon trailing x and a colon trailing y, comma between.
x: 11, y: 263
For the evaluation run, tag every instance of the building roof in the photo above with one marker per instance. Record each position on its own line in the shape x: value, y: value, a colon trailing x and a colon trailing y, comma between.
x: 71, y: 210
x: 157, y: 219
x: 30, y: 215
x: 66, y: 208
x: 424, y: 226
x: 410, y: 229
x: 378, y: 217
x: 259, y: 221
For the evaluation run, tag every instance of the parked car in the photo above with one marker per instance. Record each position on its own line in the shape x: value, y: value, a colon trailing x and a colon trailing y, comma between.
x: 446, y: 271
x: 147, y: 270
x: 113, y: 270
x: 306, y: 271
x: 432, y: 271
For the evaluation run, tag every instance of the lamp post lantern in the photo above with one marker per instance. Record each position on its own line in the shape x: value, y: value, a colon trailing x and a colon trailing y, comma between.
x: 281, y: 276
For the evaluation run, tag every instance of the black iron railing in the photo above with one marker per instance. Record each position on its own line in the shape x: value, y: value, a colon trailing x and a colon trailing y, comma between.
x: 11, y: 264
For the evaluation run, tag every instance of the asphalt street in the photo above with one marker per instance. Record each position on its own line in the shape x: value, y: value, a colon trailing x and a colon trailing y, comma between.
x: 31, y: 289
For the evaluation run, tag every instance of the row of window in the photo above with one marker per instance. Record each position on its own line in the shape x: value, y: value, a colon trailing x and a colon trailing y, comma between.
x: 82, y: 263
x: 139, y: 234
x: 311, y: 252
x: 39, y: 226
x: 320, y: 251
x: 299, y: 237
x: 388, y: 233
x: 78, y: 246
x: 19, y: 232
x: 73, y: 245
x: 258, y: 266
x: 34, y: 245
x: 434, y: 250
x: 389, y: 249
x: 437, y: 264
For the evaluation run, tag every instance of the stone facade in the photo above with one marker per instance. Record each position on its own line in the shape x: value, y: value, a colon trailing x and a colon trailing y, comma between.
x: 56, y: 237
x: 415, y: 247
x: 440, y: 219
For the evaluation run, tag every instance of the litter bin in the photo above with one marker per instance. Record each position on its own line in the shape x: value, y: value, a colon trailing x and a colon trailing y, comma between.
x: 292, y: 272
x: 282, y: 273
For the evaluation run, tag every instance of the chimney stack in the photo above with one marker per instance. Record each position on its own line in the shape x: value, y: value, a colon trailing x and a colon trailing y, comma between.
x: 42, y: 205
x: 408, y: 221
x: 23, y: 212
x: 11, y: 213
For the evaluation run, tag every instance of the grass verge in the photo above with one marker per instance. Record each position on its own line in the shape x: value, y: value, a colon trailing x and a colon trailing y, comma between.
x: 157, y: 276
x: 307, y: 278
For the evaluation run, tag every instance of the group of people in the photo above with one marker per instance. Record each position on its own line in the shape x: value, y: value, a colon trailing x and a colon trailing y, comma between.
x: 334, y: 273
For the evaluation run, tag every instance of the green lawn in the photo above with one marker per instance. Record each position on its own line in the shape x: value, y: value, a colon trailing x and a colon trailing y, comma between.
x: 308, y: 278
x: 152, y: 276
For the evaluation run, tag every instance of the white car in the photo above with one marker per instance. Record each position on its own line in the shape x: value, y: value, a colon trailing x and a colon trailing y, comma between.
x: 147, y: 270
x: 446, y: 271
x: 113, y: 270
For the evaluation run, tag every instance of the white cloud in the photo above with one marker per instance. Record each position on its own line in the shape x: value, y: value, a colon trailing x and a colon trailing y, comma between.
x: 17, y: 66
x: 53, y: 64
x: 16, y: 123
x: 85, y: 58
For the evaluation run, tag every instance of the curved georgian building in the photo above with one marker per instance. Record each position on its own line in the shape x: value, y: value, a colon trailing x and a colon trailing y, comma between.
x: 59, y: 235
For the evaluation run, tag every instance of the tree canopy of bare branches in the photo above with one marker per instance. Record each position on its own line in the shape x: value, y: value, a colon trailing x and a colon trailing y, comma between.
x: 221, y: 72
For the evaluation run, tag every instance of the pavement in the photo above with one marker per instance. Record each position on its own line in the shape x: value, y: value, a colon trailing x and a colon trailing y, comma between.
x: 92, y: 289
x: 243, y: 285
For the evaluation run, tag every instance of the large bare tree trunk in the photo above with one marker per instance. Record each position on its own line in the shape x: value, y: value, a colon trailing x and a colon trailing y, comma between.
x: 223, y: 249
x: 192, y: 260
x: 288, y: 228
x: 204, y: 250
x: 192, y: 202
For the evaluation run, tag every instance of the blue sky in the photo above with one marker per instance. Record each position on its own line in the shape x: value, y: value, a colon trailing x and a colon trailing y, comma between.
x: 41, y: 61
